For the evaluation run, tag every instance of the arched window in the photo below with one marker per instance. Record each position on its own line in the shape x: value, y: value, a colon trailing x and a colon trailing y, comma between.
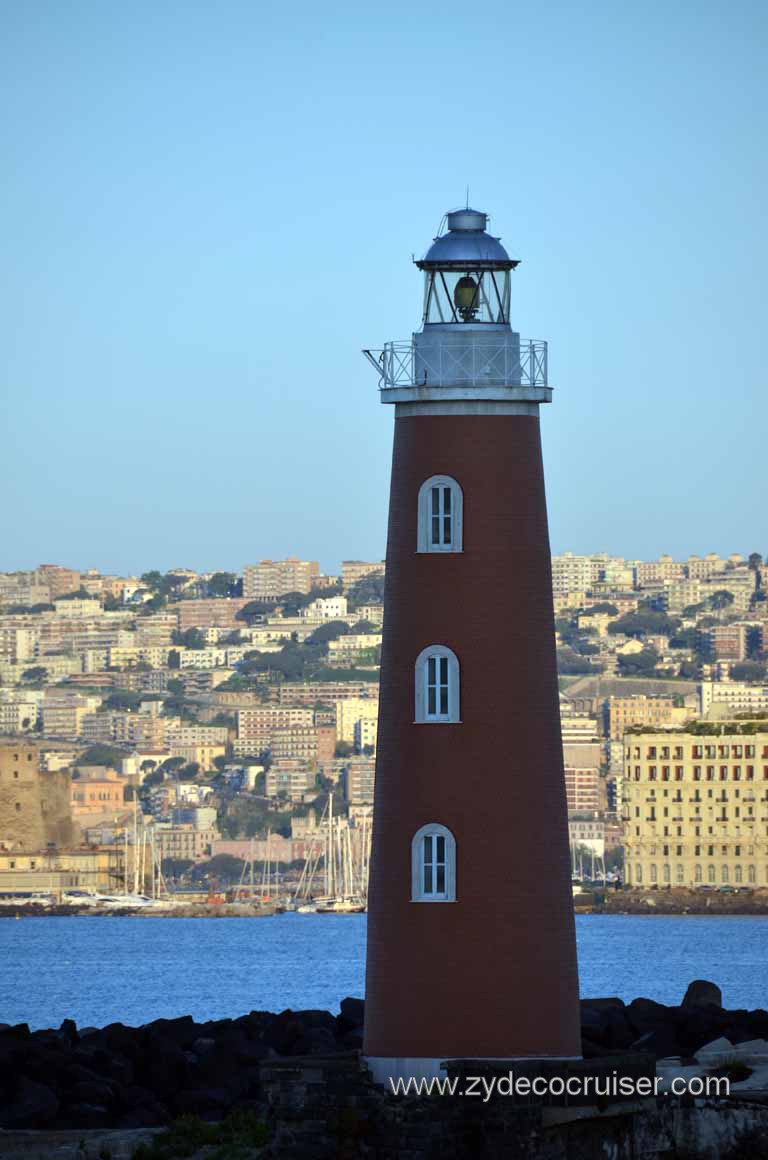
x: 433, y: 864
x: 437, y: 685
x: 710, y: 873
x: 724, y: 874
x: 441, y: 515
x: 680, y: 873
x: 737, y: 874
x: 697, y: 873
x: 654, y: 877
x: 639, y: 874
x: 751, y: 873
x: 666, y: 872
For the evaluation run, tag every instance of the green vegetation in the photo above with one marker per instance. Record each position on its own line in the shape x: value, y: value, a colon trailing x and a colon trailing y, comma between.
x: 232, y: 1139
x: 644, y: 622
x: 749, y: 671
x: 35, y: 677
x: 224, y: 584
x: 190, y: 638
x: 641, y: 664
x: 107, y: 755
x: 570, y: 662
x: 368, y: 590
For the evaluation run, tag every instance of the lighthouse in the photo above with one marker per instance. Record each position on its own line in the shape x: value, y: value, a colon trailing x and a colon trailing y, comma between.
x: 471, y: 945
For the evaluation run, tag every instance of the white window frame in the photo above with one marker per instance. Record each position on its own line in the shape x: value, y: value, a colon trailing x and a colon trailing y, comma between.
x: 424, y: 536
x: 433, y: 830
x: 422, y: 684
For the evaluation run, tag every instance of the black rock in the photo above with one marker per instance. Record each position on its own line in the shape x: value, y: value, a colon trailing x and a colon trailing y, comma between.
x: 660, y: 1042
x: 646, y: 1015
x: 203, y: 1102
x: 97, y: 1093
x: 88, y: 1116
x: 701, y: 993
x: 182, y: 1031
x: 353, y: 1010
x: 32, y: 1105
x: 69, y: 1028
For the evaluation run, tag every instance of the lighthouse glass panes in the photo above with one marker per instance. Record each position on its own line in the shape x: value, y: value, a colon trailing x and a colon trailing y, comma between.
x: 466, y: 295
x: 440, y: 515
x: 437, y: 685
x: 433, y: 863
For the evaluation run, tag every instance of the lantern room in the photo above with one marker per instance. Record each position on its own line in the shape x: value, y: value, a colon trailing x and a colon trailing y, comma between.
x: 466, y: 274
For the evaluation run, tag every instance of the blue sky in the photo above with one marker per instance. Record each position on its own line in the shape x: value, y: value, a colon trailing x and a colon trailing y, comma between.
x: 209, y: 208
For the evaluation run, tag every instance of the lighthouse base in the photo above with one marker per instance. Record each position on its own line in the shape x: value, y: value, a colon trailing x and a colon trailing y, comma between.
x: 395, y: 1070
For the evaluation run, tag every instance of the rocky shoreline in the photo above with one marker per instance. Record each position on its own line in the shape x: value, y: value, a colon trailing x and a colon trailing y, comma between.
x: 137, y: 1077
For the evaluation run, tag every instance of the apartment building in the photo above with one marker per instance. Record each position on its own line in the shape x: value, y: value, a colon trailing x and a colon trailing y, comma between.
x: 220, y: 612
x: 572, y: 573
x: 583, y: 790
x: 622, y: 712
x: 366, y: 730
x: 63, y: 712
x: 270, y: 579
x: 290, y: 776
x: 587, y: 831
x: 352, y: 571
x: 663, y: 570
x: 324, y: 692
x: 726, y: 642
x: 359, y: 777
x: 696, y: 809
x: 734, y: 697
x: 355, y: 649
x: 352, y: 710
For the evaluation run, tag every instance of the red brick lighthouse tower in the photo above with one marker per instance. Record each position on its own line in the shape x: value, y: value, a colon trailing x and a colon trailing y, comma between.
x: 471, y: 947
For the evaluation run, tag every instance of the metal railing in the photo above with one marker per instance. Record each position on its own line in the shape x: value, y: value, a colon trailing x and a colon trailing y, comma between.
x: 481, y: 361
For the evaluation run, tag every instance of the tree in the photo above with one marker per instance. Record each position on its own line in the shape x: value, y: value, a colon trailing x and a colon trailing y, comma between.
x: 78, y: 594
x: 152, y: 580
x: 755, y: 561
x: 101, y: 755
x: 34, y: 677
x: 332, y: 630
x: 641, y: 664
x: 368, y: 590
x: 343, y: 749
x: 721, y: 599
x: 173, y: 763
x: 189, y: 771
x: 224, y: 721
x: 148, y: 765
x: 176, y: 867
x: 253, y: 609
x: 191, y: 638
x: 569, y: 662
x: 223, y: 867
x: 748, y: 671
x: 603, y: 607
x: 123, y: 699
x: 643, y: 622
x: 222, y: 584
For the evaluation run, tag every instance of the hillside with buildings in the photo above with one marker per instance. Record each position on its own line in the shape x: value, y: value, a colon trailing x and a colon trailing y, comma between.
x: 193, y: 732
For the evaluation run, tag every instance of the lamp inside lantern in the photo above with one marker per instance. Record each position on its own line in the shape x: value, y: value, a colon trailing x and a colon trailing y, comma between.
x: 465, y: 297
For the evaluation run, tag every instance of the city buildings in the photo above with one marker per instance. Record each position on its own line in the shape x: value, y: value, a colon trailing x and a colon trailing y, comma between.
x: 270, y: 579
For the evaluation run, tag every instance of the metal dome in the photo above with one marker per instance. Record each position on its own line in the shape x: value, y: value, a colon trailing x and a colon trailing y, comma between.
x: 466, y: 245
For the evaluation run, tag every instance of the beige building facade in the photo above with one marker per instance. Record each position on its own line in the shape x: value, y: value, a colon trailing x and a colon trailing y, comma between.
x: 696, y: 809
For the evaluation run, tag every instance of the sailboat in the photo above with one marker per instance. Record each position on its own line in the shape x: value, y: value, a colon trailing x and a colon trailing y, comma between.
x: 343, y: 894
